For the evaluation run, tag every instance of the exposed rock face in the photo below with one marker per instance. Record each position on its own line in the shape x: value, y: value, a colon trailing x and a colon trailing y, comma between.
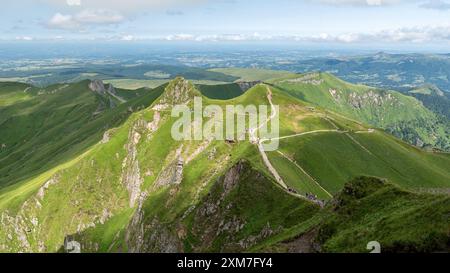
x: 247, y: 85
x: 219, y: 222
x: 217, y: 217
x: 311, y: 78
x: 24, y: 227
x: 98, y: 87
x: 151, y: 238
x: 131, y: 175
x: 335, y: 94
x: 305, y: 243
x: 231, y: 178
x: 179, y: 91
x: 106, y: 91
x: 371, y: 98
x: 253, y: 239
x: 153, y: 126
x: 106, y: 137
x: 364, y: 100
x: 173, y: 172
x: 134, y: 234
x: 41, y: 191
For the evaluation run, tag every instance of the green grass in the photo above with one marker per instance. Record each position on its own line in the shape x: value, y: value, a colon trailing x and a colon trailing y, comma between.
x: 108, y: 237
x: 334, y: 158
x: 368, y: 209
x: 400, y: 221
x: 295, y: 178
x: 255, y: 201
x: 220, y: 91
x: 402, y: 115
x: 51, y: 128
x: 90, y: 175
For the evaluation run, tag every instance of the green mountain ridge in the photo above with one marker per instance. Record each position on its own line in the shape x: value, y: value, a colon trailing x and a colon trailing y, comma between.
x: 135, y: 189
x: 369, y: 209
x: 55, y: 123
x: 401, y: 115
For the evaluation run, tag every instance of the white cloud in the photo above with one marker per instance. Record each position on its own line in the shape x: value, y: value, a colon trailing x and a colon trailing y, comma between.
x: 63, y: 21
x: 97, y: 12
x: 24, y: 38
x: 125, y: 6
x: 128, y: 38
x: 73, y: 2
x: 436, y: 4
x: 84, y: 18
x: 370, y: 3
x: 218, y: 37
x: 402, y: 35
x: 180, y: 37
x: 436, y: 34
x: 100, y: 16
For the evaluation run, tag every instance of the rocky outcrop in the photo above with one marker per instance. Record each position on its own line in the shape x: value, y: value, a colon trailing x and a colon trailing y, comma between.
x: 98, y: 87
x: 310, y: 78
x: 42, y: 190
x: 216, y: 216
x: 134, y: 234
x: 244, y: 86
x: 106, y: 136
x: 22, y: 231
x: 371, y: 99
x: 153, y: 237
x: 108, y: 92
x: 179, y: 91
x: 173, y: 172
x: 231, y: 178
x: 335, y: 94
x: 251, y: 240
x: 131, y: 174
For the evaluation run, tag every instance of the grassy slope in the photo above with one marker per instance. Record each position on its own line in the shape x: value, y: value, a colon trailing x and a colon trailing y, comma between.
x: 91, y: 184
x: 46, y: 129
x: 333, y: 159
x: 221, y: 91
x: 196, y: 171
x: 12, y: 93
x: 402, y: 115
x: 368, y: 209
x: 408, y: 108
x: 254, y: 200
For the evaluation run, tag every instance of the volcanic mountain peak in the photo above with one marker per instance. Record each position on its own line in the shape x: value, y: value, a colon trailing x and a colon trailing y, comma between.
x: 178, y: 91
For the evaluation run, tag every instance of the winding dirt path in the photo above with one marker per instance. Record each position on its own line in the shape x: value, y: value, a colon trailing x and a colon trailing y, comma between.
x: 256, y: 140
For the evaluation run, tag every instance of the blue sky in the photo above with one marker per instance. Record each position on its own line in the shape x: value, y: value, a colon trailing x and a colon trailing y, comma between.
x: 321, y: 21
